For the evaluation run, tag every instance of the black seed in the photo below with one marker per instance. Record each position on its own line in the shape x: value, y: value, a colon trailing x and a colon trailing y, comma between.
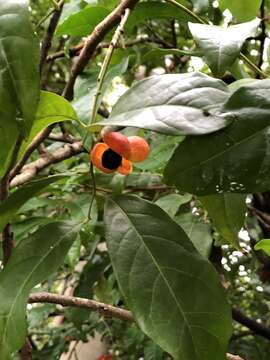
x: 111, y: 160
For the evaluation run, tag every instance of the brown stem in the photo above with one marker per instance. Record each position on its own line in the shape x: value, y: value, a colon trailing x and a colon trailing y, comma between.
x: 26, y: 351
x: 47, y: 41
x: 32, y: 147
x: 262, y: 35
x: 64, y: 300
x: 251, y: 324
x: 7, y: 235
x: 29, y: 171
x: 92, y: 305
x: 73, y: 51
x: 92, y: 42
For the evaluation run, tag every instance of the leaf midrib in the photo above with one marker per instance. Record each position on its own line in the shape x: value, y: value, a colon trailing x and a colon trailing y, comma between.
x: 161, y: 274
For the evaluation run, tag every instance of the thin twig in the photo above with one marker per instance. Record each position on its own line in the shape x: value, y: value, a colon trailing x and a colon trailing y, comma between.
x: 106, y: 62
x: 100, y: 80
x: 263, y: 35
x: 47, y: 41
x: 73, y: 51
x: 93, y: 40
x: 62, y: 138
x: 251, y: 324
x: 103, y: 309
x: 32, y: 147
x: 7, y: 234
x: 29, y: 171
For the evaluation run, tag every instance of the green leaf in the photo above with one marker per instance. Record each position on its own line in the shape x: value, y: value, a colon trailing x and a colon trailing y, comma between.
x: 19, y: 77
x: 162, y: 52
x: 197, y: 231
x: 263, y: 245
x: 52, y: 108
x: 221, y: 46
x: 150, y: 10
x: 172, y: 202
x: 85, y: 89
x: 10, y: 206
x: 83, y: 22
x: 32, y: 261
x: 236, y: 159
x: 158, y: 268
x: 160, y: 153
x: 227, y: 212
x: 243, y: 10
x: 153, y: 352
x: 73, y: 254
x: 173, y: 104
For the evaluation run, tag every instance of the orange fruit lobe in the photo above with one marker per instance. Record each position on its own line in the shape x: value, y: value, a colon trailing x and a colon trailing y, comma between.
x: 139, y: 149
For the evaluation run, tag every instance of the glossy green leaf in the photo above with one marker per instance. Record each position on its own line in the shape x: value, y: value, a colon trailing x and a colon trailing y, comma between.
x: 236, y: 159
x: 83, y: 22
x: 197, y: 231
x: 173, y: 104
x: 19, y: 77
x: 158, y: 268
x: 263, y: 245
x: 10, y: 206
x: 221, y: 46
x: 227, y: 212
x: 52, y: 108
x: 243, y: 10
x: 172, y: 202
x: 32, y: 261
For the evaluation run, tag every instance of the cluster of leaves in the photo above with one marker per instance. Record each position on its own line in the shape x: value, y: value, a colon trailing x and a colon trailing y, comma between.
x: 210, y: 153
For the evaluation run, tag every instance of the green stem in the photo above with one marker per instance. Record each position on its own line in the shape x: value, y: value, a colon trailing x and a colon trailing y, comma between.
x: 187, y: 11
x: 94, y: 191
x: 100, y: 80
x: 249, y: 63
x: 105, y: 66
x: 252, y: 65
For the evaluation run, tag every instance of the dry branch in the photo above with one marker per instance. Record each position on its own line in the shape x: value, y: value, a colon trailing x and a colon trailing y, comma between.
x: 92, y: 305
x: 29, y: 171
x: 64, y: 300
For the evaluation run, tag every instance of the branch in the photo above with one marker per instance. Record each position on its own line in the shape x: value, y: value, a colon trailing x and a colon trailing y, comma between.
x: 31, y: 170
x: 34, y: 145
x: 66, y: 138
x: 47, y: 41
x: 233, y: 357
x: 103, y: 309
x: 263, y: 35
x: 251, y: 324
x: 92, y: 305
x: 93, y: 40
x: 73, y: 51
